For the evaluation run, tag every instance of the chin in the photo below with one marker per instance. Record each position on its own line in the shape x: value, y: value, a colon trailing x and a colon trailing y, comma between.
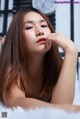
x: 43, y: 51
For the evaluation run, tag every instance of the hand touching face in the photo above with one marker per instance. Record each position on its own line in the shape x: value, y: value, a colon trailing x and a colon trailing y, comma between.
x: 62, y: 41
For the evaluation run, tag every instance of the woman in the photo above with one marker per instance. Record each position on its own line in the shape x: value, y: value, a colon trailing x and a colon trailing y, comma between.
x: 32, y: 71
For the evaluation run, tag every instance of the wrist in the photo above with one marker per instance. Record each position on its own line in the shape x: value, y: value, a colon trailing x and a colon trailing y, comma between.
x: 71, y: 50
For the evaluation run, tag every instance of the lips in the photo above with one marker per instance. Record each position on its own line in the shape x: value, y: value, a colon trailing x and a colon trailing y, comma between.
x: 41, y: 40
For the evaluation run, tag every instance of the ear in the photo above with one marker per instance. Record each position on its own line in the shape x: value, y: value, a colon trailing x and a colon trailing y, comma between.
x: 3, y: 39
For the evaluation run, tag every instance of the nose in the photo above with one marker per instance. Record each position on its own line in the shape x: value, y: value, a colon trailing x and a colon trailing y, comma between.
x: 39, y: 32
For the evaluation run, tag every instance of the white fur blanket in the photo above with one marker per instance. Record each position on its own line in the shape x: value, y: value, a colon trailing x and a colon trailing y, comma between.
x: 43, y: 113
x: 19, y: 113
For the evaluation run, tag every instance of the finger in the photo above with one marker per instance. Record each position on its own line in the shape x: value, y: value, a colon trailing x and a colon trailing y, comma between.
x: 52, y: 36
x: 48, y: 44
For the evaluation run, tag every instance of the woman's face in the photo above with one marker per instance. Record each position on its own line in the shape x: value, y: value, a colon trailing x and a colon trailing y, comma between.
x: 35, y: 31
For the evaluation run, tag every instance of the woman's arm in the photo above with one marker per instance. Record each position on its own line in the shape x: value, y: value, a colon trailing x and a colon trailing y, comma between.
x: 17, y: 98
x: 31, y: 103
x: 63, y: 93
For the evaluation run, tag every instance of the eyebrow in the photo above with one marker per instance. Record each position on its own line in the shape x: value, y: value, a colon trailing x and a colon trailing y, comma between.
x: 33, y: 21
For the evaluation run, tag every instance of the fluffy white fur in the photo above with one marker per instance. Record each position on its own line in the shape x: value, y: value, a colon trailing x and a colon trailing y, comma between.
x: 19, y: 113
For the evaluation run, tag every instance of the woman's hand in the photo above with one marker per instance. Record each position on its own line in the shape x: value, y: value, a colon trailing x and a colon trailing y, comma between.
x: 62, y: 41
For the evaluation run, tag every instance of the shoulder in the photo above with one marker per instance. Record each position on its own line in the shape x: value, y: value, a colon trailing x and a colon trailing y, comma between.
x: 15, y: 93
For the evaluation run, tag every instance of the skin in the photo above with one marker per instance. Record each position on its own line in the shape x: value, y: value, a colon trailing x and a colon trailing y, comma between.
x: 35, y: 27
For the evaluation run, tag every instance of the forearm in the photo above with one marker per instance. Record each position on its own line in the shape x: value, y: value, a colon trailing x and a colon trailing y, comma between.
x: 64, y: 90
x: 30, y: 103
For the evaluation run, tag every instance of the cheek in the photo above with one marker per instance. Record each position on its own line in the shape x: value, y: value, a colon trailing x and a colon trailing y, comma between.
x: 29, y: 35
x: 48, y: 31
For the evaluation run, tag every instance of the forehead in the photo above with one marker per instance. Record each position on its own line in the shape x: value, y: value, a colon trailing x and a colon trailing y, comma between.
x: 32, y: 16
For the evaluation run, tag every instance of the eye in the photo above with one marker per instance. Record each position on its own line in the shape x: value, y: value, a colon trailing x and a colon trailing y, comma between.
x: 43, y: 25
x: 28, y: 28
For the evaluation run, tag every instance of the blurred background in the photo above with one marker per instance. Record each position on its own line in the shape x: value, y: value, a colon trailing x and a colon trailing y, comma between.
x: 64, y: 15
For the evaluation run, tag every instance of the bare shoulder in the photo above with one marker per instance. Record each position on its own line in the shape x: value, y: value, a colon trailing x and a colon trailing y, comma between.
x: 15, y: 93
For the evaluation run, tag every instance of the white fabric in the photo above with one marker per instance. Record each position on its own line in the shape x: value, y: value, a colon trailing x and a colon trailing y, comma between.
x: 19, y: 113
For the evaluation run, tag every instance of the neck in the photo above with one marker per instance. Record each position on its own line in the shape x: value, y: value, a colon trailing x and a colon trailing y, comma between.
x: 35, y: 65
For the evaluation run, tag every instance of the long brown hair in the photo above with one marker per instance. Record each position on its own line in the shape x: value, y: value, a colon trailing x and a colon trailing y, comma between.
x: 13, y: 62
